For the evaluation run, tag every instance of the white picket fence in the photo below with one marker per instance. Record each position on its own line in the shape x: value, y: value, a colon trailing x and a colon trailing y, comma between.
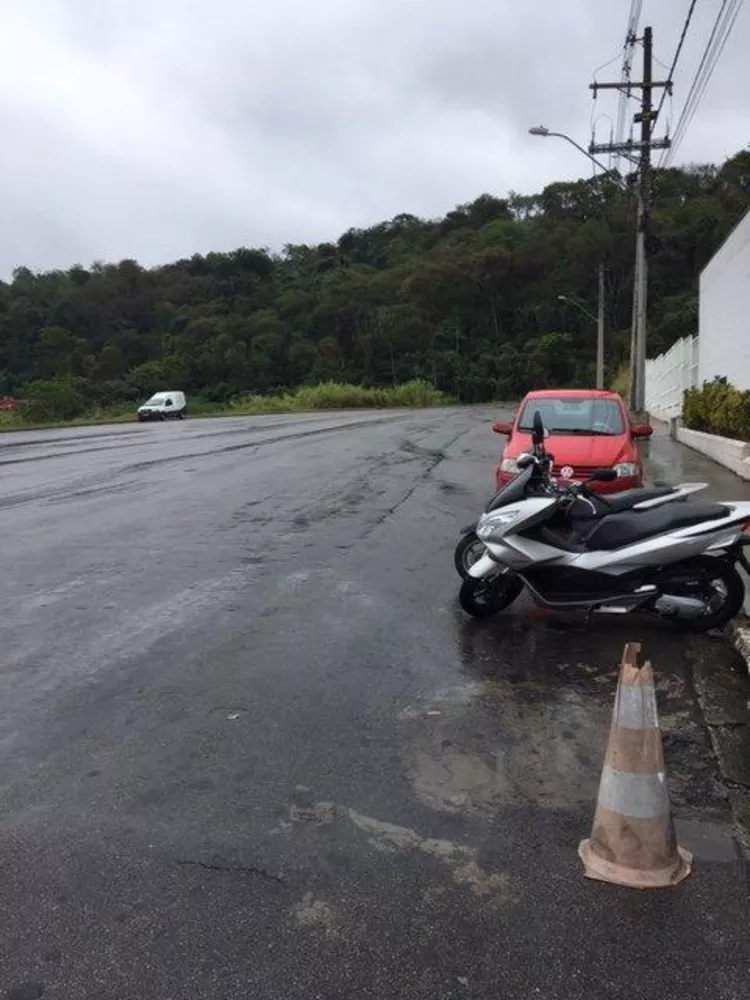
x: 668, y: 376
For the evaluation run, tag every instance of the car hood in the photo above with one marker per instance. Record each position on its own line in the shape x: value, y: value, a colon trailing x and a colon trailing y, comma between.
x: 577, y: 450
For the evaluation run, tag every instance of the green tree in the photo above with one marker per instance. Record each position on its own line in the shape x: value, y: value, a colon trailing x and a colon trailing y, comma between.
x: 468, y: 301
x: 56, y: 399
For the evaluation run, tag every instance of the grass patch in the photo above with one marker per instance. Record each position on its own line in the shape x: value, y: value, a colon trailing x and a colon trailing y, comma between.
x: 339, y: 396
x: 621, y: 381
x: 15, y: 422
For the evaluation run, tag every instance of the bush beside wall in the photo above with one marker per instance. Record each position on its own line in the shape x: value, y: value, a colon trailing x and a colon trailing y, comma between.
x: 718, y: 408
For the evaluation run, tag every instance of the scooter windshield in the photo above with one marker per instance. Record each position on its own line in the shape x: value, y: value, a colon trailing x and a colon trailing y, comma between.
x: 513, y: 492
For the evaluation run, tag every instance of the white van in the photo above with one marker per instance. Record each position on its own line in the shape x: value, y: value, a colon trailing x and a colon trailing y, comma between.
x: 164, y: 406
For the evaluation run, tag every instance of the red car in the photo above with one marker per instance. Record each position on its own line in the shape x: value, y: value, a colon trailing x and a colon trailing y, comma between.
x: 588, y: 429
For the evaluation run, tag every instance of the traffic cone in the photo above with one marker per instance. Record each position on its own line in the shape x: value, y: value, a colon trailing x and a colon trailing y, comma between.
x: 633, y: 839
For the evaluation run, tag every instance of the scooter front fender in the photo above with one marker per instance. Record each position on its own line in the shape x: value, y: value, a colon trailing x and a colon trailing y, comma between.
x: 469, y: 528
x: 484, y: 566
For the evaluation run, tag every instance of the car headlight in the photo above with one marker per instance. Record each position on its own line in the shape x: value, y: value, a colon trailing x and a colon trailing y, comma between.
x: 626, y: 470
x: 509, y: 465
x: 497, y: 519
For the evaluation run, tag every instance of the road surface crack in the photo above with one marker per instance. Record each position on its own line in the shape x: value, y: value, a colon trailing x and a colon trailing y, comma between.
x: 435, y: 458
x: 235, y: 870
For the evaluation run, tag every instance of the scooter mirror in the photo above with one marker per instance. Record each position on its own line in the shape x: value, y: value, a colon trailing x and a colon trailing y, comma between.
x: 537, y: 429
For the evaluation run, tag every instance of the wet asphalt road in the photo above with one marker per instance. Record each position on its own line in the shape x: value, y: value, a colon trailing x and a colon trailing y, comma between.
x: 251, y: 748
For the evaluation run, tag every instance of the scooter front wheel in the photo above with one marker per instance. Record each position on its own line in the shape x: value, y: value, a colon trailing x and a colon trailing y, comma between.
x: 468, y: 551
x: 485, y: 598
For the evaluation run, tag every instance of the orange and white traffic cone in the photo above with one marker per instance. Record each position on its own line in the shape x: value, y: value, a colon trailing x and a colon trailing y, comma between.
x: 633, y: 840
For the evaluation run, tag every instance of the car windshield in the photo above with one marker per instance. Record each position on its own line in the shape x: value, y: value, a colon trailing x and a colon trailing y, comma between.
x: 574, y: 416
x: 155, y: 401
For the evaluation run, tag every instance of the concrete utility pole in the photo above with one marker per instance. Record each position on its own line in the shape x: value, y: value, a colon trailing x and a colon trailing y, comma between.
x: 600, y: 333
x: 641, y: 274
x: 643, y: 149
x: 633, y: 331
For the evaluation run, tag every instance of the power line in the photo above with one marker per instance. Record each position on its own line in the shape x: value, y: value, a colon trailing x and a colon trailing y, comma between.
x: 670, y: 75
x: 725, y: 21
x: 705, y: 67
x: 594, y: 117
x: 694, y: 86
x: 627, y: 63
x: 606, y: 64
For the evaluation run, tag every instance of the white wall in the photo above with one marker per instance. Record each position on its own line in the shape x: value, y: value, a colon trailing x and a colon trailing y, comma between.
x: 724, y: 323
x: 669, y: 375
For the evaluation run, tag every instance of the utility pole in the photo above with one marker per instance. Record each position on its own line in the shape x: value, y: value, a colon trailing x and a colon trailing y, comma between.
x: 643, y: 149
x: 600, y: 333
x: 641, y: 267
x: 633, y: 324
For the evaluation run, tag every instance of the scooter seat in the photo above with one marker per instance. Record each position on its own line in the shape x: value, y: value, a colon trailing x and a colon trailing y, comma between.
x: 617, y: 502
x: 615, y: 531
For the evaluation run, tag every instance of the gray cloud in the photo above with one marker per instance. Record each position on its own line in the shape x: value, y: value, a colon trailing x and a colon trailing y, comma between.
x: 159, y: 128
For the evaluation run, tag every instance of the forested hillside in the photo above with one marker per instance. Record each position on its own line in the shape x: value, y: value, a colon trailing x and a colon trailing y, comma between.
x: 468, y: 302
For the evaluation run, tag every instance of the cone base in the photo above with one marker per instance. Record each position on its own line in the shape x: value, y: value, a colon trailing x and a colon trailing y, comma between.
x: 634, y: 878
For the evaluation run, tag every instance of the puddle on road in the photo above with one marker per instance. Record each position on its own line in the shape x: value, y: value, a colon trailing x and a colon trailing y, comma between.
x: 527, y: 726
x: 527, y: 722
x: 707, y: 841
x: 511, y: 748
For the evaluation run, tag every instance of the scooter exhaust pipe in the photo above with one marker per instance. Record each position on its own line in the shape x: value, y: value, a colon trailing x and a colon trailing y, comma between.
x: 673, y: 606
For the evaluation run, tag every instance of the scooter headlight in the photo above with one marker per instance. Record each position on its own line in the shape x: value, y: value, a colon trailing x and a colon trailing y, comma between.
x: 497, y: 519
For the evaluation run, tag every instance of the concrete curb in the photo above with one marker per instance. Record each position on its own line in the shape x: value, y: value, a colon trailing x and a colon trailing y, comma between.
x: 727, y: 452
x: 739, y: 795
x: 732, y: 454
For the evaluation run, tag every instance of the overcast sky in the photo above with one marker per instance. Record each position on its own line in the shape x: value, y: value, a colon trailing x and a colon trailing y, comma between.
x: 155, y: 129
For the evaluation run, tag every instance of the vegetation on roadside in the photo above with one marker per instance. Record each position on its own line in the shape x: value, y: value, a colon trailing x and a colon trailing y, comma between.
x: 338, y: 396
x: 621, y: 381
x: 718, y: 408
x: 468, y: 304
x: 51, y: 403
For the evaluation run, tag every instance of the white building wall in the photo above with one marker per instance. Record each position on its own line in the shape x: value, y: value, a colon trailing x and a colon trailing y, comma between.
x: 724, y: 315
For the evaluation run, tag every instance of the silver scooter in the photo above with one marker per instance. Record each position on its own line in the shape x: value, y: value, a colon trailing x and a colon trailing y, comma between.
x: 673, y: 559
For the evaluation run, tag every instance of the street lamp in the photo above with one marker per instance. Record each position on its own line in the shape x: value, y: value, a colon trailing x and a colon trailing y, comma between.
x: 637, y: 361
x: 544, y: 132
x: 579, y: 305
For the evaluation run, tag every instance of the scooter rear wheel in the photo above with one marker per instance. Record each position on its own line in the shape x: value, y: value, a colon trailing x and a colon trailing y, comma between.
x: 485, y: 598
x: 720, y: 584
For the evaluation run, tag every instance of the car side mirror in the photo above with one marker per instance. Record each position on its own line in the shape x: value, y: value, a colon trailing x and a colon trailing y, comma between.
x: 604, y: 475
x: 168, y: 402
x: 502, y: 427
x: 642, y: 430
